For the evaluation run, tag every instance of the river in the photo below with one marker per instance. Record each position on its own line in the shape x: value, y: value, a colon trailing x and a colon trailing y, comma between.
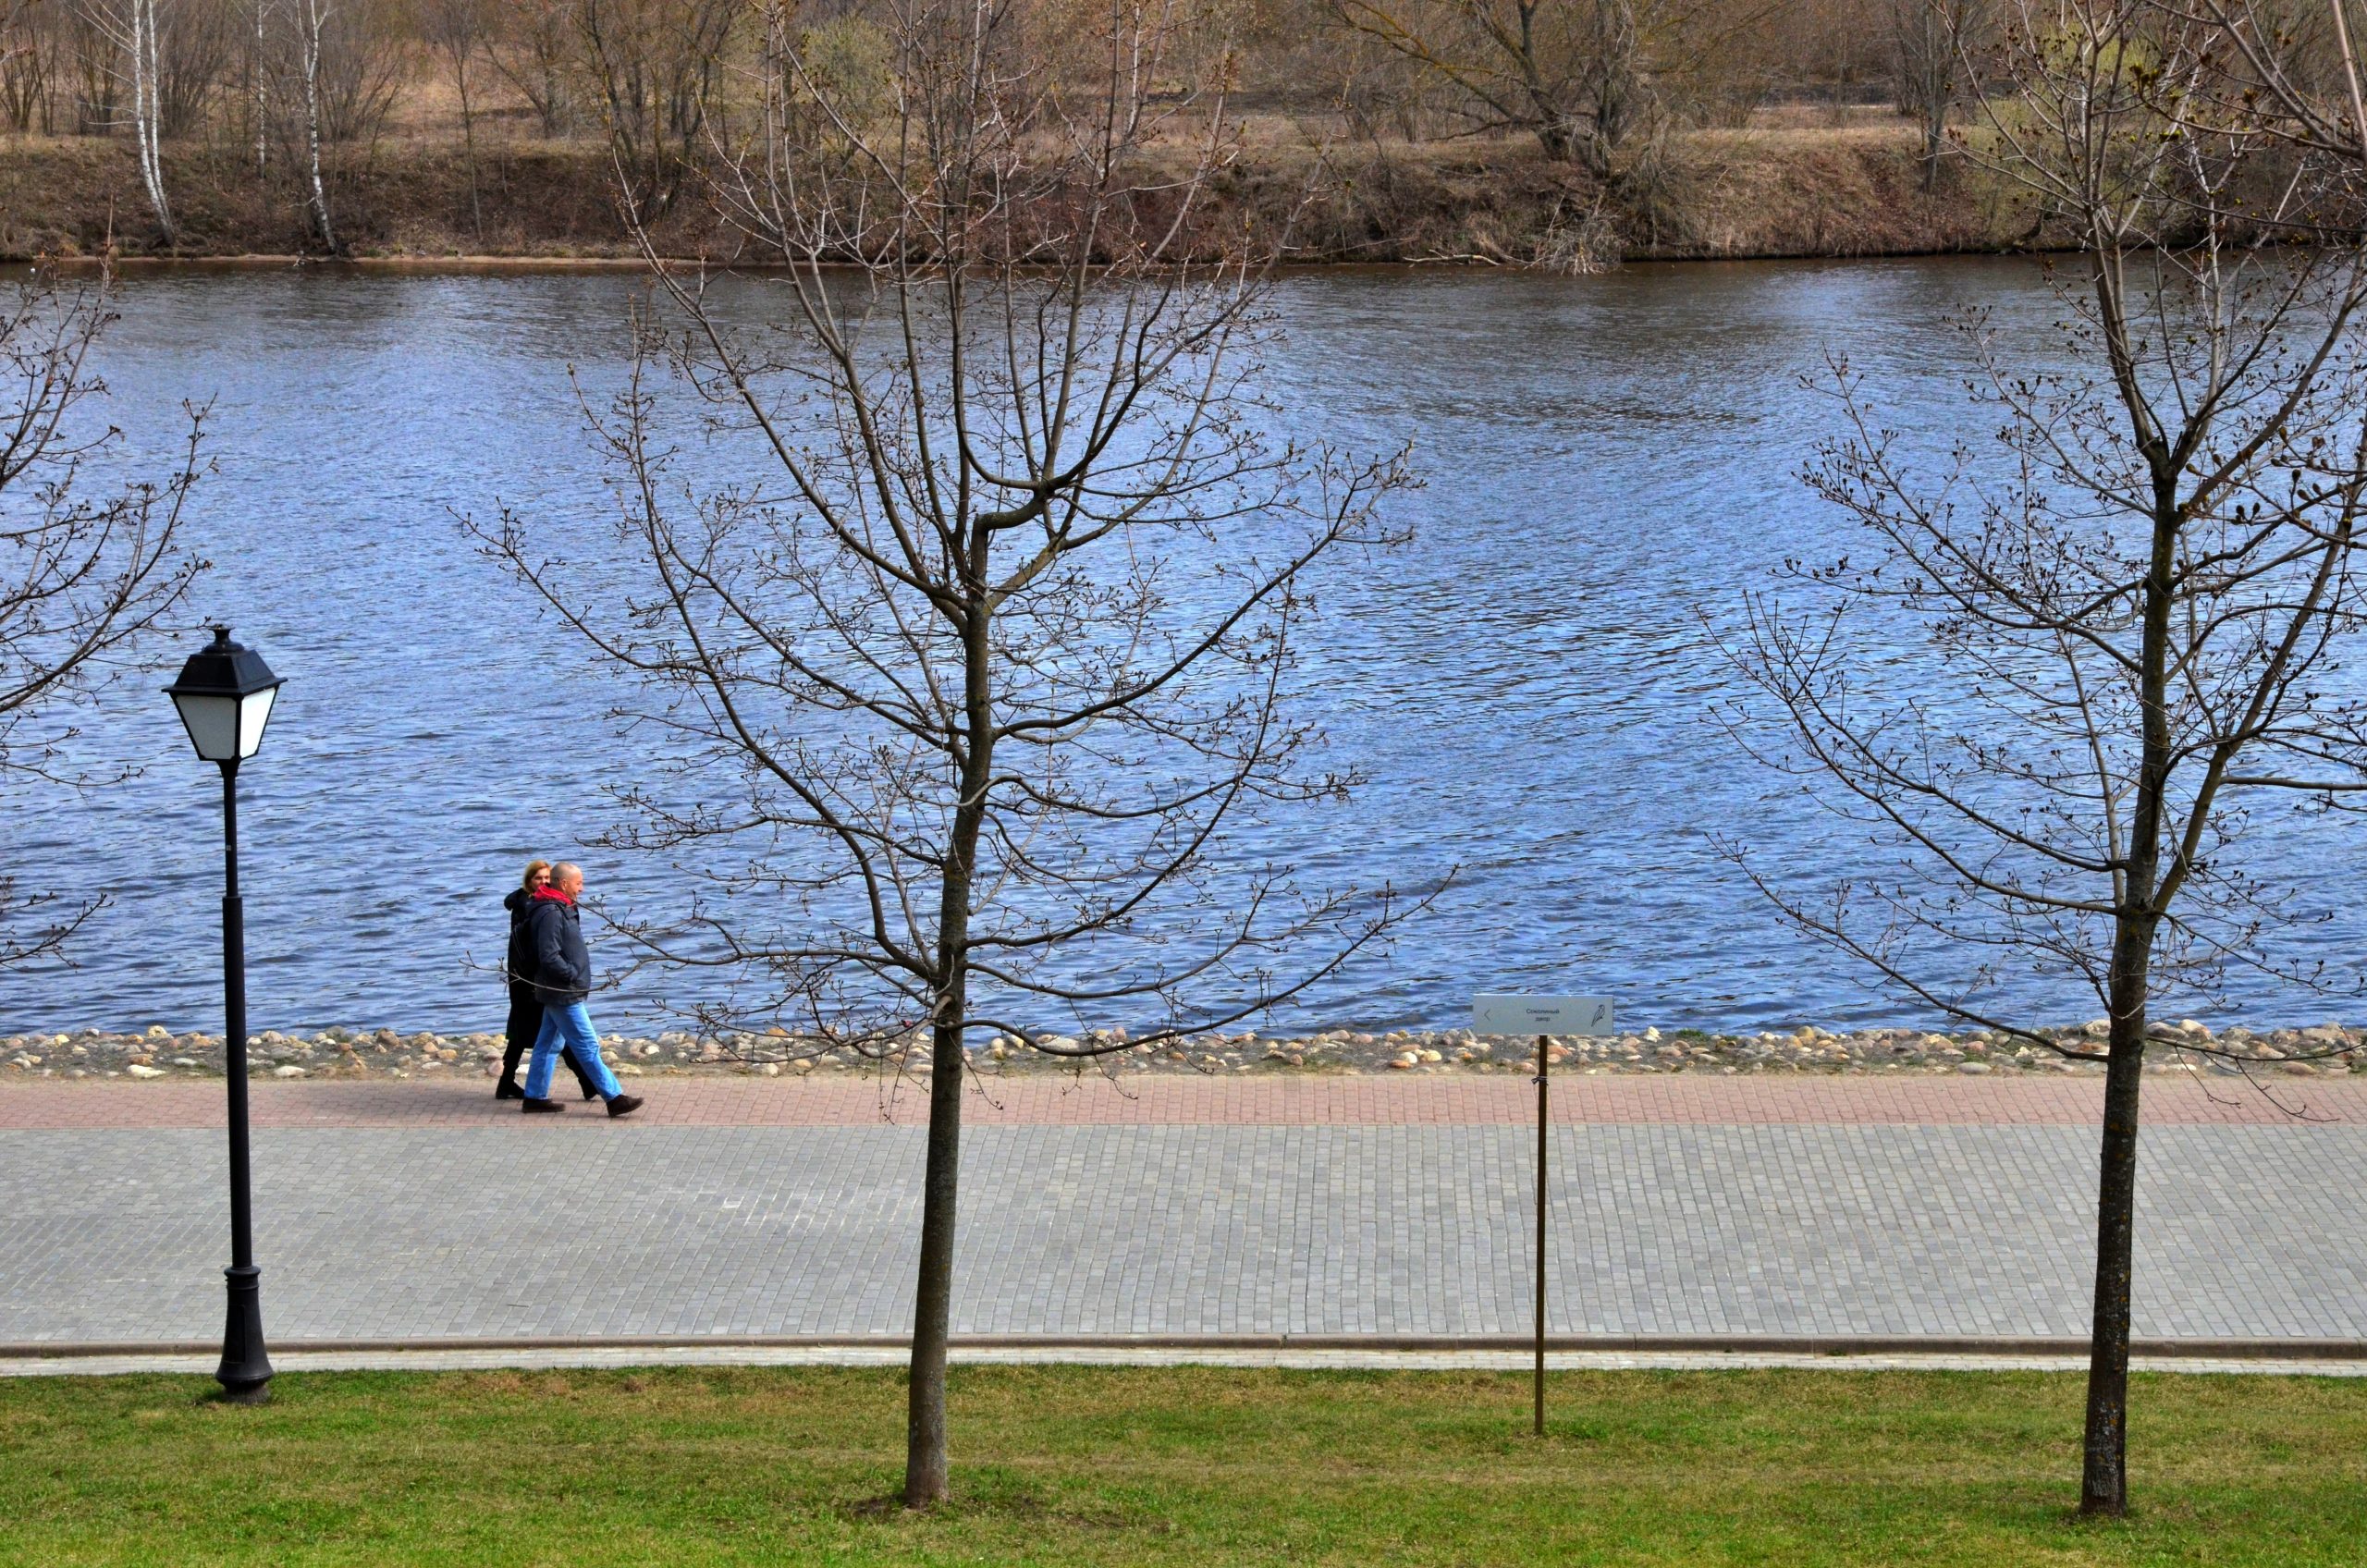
x: 1608, y: 459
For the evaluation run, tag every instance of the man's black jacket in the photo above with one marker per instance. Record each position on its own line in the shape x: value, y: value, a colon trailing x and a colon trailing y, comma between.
x: 562, y: 964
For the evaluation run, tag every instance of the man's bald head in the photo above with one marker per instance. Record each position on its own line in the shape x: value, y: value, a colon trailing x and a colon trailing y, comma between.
x: 568, y: 877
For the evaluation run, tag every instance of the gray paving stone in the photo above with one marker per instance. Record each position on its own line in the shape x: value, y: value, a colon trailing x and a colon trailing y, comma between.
x: 377, y: 1233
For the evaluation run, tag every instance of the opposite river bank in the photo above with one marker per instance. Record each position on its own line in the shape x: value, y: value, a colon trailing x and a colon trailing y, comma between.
x: 1852, y: 190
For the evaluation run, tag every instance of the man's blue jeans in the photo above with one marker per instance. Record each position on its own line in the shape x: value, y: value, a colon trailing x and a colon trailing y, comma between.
x: 569, y: 1024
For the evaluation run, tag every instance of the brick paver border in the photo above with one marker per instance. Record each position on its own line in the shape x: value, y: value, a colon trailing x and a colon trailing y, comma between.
x: 1371, y: 1101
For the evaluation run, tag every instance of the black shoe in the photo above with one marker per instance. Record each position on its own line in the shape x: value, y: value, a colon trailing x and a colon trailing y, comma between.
x: 507, y: 1089
x: 624, y: 1105
x: 539, y: 1108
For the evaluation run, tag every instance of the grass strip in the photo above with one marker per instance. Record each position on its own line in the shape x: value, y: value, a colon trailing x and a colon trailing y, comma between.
x: 1102, y: 1467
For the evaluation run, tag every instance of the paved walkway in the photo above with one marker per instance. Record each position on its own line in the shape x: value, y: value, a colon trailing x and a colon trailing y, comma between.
x: 1891, y: 1208
x: 1366, y: 1100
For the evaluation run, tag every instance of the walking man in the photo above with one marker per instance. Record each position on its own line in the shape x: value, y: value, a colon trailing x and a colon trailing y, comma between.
x: 525, y: 1008
x: 562, y: 981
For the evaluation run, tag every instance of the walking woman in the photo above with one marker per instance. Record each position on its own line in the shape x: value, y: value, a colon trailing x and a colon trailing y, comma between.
x: 525, y: 1008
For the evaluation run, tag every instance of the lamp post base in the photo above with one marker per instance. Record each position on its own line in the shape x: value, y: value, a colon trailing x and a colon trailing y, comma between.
x: 245, y: 1372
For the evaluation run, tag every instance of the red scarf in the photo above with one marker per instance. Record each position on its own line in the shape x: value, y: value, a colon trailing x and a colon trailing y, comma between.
x: 547, y: 891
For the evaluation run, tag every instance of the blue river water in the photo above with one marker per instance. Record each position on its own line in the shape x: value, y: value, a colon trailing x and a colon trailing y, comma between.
x: 1608, y: 463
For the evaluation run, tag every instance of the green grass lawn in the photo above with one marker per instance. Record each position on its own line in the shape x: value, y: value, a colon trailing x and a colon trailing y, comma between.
x: 1190, y: 1465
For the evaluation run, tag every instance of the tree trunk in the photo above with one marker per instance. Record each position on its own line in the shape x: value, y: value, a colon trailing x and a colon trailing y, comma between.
x: 320, y: 196
x: 2104, y: 1481
x: 147, y: 112
x: 1616, y: 48
x: 469, y: 141
x: 260, y: 106
x: 925, y: 1469
x: 926, y: 1472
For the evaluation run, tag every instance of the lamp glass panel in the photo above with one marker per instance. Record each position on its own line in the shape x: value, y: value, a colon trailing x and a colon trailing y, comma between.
x: 254, y: 713
x: 211, y: 722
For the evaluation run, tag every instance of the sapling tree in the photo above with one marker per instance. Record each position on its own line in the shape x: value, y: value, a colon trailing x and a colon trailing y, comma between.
x: 972, y: 612
x: 84, y: 570
x: 458, y: 29
x: 2132, y: 598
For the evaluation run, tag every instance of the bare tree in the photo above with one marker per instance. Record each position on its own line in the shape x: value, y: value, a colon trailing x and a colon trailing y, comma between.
x: 195, y: 40
x: 259, y: 83
x: 129, y: 30
x: 656, y: 64
x: 24, y: 65
x: 325, y: 72
x: 458, y: 28
x: 312, y: 18
x: 82, y: 576
x: 362, y: 65
x: 27, y: 51
x: 1578, y: 75
x: 973, y: 615
x: 1565, y: 71
x: 1930, y: 40
x: 2291, y: 80
x: 2135, y: 604
x: 535, y: 53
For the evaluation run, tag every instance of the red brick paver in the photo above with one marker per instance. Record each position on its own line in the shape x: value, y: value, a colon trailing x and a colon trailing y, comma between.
x: 1181, y: 1101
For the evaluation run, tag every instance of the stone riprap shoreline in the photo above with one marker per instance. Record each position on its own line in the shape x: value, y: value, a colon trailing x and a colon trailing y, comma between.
x: 157, y: 1053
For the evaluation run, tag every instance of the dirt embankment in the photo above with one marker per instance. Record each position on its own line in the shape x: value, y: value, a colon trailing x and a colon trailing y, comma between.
x: 1841, y: 192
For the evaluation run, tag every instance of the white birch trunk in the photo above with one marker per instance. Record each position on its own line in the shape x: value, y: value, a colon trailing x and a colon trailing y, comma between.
x: 147, y: 110
x: 315, y: 15
x: 259, y: 88
x: 130, y: 26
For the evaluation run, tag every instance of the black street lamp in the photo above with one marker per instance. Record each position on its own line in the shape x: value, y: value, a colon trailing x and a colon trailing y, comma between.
x: 225, y: 696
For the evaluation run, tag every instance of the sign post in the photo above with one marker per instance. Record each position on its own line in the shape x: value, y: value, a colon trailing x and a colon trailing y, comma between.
x: 1544, y: 1017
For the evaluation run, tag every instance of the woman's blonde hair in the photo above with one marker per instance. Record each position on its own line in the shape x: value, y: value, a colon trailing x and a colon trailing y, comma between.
x: 532, y: 867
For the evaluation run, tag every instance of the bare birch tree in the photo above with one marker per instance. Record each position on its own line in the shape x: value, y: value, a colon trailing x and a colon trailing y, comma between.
x: 81, y: 575
x: 2134, y: 603
x: 312, y: 16
x: 130, y: 28
x: 259, y: 86
x: 975, y: 617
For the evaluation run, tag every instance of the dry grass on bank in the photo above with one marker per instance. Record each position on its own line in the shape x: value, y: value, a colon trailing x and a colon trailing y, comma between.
x: 1797, y: 189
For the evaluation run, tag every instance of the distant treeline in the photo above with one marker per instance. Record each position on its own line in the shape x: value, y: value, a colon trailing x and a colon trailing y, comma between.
x: 1561, y: 132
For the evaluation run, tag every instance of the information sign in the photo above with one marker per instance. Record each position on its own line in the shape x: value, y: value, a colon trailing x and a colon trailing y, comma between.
x: 1540, y: 1015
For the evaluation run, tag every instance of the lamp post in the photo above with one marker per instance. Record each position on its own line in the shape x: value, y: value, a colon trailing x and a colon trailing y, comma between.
x: 225, y: 696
